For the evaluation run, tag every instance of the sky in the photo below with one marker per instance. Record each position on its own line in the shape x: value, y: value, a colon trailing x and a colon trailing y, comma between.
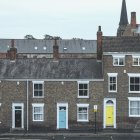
x: 64, y: 18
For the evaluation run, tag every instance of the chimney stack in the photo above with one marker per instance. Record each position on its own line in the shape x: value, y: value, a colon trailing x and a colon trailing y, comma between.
x: 12, y: 52
x: 133, y: 20
x: 99, y: 44
x: 55, y: 50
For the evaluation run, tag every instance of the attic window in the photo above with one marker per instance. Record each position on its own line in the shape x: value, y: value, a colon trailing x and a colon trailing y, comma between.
x: 83, y: 48
x: 44, y: 47
x: 35, y: 48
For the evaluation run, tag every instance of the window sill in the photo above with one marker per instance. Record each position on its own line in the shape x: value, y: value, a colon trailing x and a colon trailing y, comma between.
x: 134, y: 92
x: 83, y: 97
x: 112, y: 91
x: 38, y: 120
x: 135, y: 116
x: 118, y: 65
x: 82, y: 120
x: 38, y: 97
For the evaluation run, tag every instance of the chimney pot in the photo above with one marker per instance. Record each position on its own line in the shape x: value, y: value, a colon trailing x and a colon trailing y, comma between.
x: 99, y: 28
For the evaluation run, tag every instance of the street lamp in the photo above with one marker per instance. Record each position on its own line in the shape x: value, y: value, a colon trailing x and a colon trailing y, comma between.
x: 95, y: 111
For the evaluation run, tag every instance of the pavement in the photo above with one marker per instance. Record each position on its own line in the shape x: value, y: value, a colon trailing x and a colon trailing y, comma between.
x: 66, y: 134
x: 70, y: 136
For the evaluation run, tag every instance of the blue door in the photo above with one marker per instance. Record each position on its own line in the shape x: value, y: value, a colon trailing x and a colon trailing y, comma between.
x: 62, y: 117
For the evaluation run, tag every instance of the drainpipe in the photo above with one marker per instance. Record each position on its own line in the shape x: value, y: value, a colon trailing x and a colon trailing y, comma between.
x: 27, y: 106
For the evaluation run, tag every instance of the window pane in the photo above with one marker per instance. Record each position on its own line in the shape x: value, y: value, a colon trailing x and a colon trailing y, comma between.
x: 35, y: 86
x: 85, y: 86
x: 40, y: 86
x: 137, y: 80
x: 135, y: 61
x: 80, y: 86
x: 132, y: 88
x: 132, y: 80
x: 18, y: 107
x: 121, y: 61
x: 82, y: 116
x: 37, y: 109
x: 134, y: 111
x: 40, y: 93
x: 85, y: 92
x: 38, y: 117
x: 82, y: 110
x: 80, y: 92
x: 115, y: 61
x: 35, y: 93
x: 133, y: 104
x: 137, y: 88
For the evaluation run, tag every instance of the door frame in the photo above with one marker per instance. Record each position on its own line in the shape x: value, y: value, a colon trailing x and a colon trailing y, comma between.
x: 13, y: 114
x: 104, y: 112
x: 62, y: 105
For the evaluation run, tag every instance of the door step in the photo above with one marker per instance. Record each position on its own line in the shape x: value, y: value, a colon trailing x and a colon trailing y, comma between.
x: 16, y: 130
x: 109, y: 130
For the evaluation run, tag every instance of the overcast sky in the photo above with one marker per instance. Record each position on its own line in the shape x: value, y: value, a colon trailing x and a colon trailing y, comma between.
x: 64, y: 18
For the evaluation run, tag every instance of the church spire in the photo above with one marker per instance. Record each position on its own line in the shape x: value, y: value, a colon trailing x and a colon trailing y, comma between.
x: 123, y: 20
x: 123, y: 17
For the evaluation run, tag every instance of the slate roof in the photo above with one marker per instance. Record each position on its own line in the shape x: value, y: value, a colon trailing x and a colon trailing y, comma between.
x: 50, y: 69
x: 121, y: 44
x: 65, y: 46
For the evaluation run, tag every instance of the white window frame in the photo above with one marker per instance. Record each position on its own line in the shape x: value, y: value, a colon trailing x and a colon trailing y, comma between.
x: 118, y: 57
x: 112, y: 75
x: 133, y: 75
x: 133, y: 99
x: 37, y: 105
x: 82, y: 105
x: 83, y: 82
x: 134, y: 57
x: 39, y: 82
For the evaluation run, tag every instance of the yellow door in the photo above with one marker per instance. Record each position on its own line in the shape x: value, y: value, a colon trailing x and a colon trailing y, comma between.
x: 109, y: 115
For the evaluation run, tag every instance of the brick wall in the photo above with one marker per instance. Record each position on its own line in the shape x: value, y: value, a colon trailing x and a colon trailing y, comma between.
x: 122, y: 102
x: 54, y: 92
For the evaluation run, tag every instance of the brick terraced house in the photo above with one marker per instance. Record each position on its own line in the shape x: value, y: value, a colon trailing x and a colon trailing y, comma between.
x: 53, y: 84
